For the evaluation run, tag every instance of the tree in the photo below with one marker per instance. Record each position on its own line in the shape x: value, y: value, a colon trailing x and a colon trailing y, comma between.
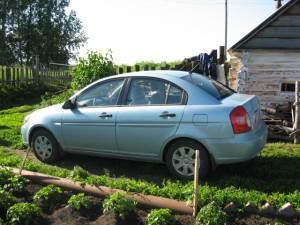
x: 38, y: 27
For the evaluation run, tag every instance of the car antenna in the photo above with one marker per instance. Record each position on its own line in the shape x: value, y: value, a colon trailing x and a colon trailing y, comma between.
x: 194, y: 68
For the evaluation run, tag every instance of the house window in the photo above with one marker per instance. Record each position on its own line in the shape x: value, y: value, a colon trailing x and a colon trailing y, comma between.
x: 287, y: 87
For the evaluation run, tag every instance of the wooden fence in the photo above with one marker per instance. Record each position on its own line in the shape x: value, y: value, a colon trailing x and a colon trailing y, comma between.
x: 16, y: 76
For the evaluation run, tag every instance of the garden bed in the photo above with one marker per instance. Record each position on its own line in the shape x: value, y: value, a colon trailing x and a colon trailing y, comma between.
x: 62, y: 206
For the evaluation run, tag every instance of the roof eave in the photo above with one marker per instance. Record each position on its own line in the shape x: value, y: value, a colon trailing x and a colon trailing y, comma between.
x: 265, y: 23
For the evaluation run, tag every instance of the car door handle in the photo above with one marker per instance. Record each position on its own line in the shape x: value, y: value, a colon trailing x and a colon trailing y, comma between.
x: 167, y: 114
x: 105, y: 115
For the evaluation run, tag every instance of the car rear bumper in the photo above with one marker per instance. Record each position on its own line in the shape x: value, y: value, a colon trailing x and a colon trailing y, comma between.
x: 241, y: 147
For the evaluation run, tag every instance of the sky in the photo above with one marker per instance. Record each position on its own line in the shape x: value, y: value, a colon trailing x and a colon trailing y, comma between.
x: 165, y: 30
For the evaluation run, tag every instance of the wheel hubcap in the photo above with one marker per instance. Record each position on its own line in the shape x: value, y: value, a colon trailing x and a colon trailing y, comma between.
x: 183, y: 161
x: 43, y: 147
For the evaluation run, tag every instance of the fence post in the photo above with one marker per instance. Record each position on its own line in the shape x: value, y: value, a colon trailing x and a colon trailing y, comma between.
x: 18, y: 76
x: 14, y: 76
x: 8, y: 75
x: 2, y: 75
x: 296, y: 104
x: 196, y: 183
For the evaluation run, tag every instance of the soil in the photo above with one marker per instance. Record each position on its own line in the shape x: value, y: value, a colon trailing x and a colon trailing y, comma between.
x: 59, y: 213
x: 261, y: 220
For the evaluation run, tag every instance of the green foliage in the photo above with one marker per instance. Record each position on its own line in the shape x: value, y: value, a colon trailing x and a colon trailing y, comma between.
x: 237, y: 183
x: 11, y: 182
x: 22, y: 213
x: 41, y: 28
x: 16, y: 184
x: 96, y: 66
x: 50, y: 99
x: 211, y: 214
x: 13, y: 95
x: 48, y: 194
x: 11, y: 119
x: 79, y: 201
x: 7, y: 200
x: 122, y: 206
x: 1, y: 221
x: 160, y: 217
x: 79, y: 174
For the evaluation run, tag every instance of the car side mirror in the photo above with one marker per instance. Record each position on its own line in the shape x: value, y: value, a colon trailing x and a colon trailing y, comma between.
x: 69, y: 104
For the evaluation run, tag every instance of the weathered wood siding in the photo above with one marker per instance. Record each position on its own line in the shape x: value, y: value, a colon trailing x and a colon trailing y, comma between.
x: 281, y: 33
x: 261, y: 73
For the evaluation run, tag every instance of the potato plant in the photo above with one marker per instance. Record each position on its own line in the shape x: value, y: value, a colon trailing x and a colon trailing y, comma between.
x: 48, y: 194
x: 211, y: 214
x: 79, y: 201
x: 11, y: 182
x: 6, y: 201
x: 160, y: 217
x: 120, y: 205
x: 22, y: 213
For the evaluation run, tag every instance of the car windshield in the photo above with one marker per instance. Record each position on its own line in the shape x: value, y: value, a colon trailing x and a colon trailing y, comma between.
x: 214, y: 88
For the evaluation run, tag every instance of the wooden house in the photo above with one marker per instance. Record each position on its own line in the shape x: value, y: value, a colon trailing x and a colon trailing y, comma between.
x: 266, y: 62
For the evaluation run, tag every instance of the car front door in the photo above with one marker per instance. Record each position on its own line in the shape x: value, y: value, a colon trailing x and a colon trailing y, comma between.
x: 151, y: 114
x: 90, y: 126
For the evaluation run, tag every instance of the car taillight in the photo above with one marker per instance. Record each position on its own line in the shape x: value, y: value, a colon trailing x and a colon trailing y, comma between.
x: 240, y: 120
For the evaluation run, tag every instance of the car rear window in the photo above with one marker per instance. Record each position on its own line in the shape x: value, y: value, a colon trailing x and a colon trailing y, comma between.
x: 214, y: 88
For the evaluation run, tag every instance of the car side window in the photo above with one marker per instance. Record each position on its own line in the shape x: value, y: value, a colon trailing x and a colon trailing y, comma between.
x: 103, y: 94
x: 145, y: 91
x: 175, y: 96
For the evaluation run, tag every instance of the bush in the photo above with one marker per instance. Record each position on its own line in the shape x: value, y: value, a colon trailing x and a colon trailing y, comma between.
x: 79, y: 201
x: 22, y: 213
x: 119, y: 204
x: 1, y: 221
x: 160, y: 217
x: 211, y: 214
x: 48, y: 194
x: 96, y: 66
x: 11, y: 95
x: 51, y: 99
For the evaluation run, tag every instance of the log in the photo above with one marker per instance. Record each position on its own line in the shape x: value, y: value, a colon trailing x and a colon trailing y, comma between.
x: 100, y: 191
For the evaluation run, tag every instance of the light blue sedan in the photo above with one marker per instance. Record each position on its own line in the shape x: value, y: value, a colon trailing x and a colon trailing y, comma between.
x: 157, y: 116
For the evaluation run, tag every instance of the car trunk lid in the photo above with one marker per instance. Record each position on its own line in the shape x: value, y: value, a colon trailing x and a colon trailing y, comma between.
x: 250, y: 103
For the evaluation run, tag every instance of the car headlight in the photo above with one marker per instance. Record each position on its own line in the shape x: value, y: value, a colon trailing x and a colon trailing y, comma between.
x: 26, y: 118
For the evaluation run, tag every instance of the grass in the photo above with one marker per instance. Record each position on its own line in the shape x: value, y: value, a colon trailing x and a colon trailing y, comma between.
x: 11, y: 119
x: 274, y: 176
x: 222, y: 191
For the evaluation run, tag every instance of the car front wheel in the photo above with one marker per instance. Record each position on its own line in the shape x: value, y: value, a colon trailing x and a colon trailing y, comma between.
x: 44, y: 146
x: 180, y: 159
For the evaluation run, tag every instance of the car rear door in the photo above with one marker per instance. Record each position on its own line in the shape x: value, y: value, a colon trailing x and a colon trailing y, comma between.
x: 152, y: 112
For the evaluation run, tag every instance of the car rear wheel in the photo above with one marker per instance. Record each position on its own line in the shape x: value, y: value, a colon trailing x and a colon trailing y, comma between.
x: 45, y: 146
x: 180, y: 159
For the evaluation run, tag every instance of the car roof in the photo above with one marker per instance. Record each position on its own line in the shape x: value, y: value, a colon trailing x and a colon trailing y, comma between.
x: 155, y: 73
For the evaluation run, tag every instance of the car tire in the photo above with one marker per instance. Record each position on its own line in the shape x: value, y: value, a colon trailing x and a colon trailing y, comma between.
x: 44, y: 146
x: 180, y: 159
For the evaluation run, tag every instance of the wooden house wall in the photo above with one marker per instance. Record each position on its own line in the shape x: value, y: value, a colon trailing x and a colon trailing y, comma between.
x: 261, y: 73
